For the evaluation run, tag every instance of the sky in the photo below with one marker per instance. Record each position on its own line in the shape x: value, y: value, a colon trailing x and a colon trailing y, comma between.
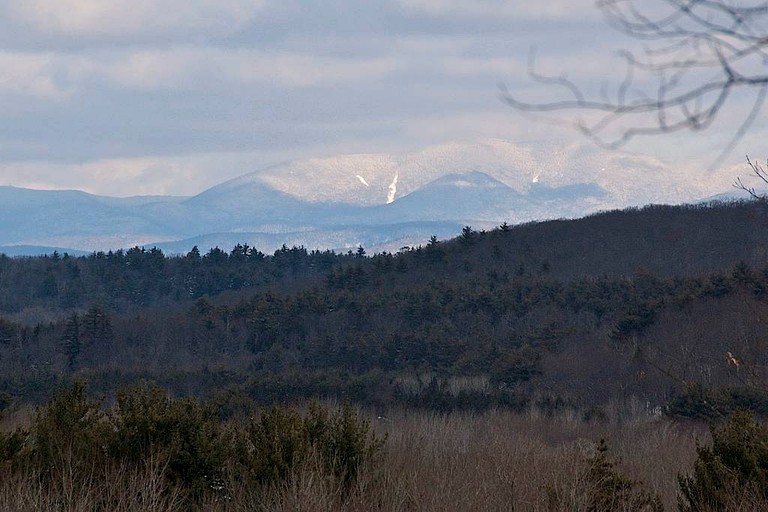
x: 174, y: 96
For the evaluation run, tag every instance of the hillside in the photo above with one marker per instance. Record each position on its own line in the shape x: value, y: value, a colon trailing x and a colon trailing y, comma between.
x: 637, y: 303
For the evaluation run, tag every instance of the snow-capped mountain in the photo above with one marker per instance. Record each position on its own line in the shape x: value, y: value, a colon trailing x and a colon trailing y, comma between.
x: 380, y: 201
x: 365, y: 180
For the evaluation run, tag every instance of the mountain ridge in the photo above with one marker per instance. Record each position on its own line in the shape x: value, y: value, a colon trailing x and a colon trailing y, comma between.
x: 314, y: 202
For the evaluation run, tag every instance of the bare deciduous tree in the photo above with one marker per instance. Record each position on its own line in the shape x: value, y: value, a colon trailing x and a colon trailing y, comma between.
x: 696, y: 54
x: 759, y: 172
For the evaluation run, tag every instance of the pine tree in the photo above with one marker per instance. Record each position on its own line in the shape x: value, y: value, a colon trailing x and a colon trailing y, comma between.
x: 70, y: 340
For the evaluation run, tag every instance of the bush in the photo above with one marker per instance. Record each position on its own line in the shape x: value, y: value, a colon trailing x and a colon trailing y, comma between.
x: 68, y: 434
x: 280, y: 439
x: 735, y: 465
x: 602, y: 488
x: 11, y: 444
x: 610, y: 490
x: 74, y: 441
x: 344, y: 440
x: 147, y: 422
x: 75, y: 434
x: 703, y: 403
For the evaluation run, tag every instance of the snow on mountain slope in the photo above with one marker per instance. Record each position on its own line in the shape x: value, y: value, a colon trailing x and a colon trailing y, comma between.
x: 455, y: 197
x: 365, y: 179
x: 359, y: 199
x: 477, y: 197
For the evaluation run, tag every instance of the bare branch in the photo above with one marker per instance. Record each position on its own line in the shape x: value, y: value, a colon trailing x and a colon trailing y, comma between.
x: 698, y: 52
x: 758, y: 171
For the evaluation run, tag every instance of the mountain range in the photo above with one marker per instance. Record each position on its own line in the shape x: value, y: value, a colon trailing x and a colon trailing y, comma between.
x: 379, y: 201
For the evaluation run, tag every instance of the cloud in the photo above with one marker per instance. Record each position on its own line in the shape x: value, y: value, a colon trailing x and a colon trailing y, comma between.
x: 46, y: 75
x: 195, y: 68
x: 116, y: 18
x: 58, y: 76
x: 104, y: 81
x: 181, y: 175
x: 480, y: 124
x: 28, y: 75
x: 177, y: 175
x: 432, y: 44
x: 495, y: 66
x: 202, y: 67
x: 306, y: 70
x: 508, y: 9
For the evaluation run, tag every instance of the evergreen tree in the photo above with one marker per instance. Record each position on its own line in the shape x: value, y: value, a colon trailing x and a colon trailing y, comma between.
x: 70, y: 340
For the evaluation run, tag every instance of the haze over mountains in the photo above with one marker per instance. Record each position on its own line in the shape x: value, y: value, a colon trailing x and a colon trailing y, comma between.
x: 379, y: 201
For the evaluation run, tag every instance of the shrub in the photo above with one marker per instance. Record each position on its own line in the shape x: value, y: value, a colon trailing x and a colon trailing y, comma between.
x: 700, y: 402
x: 11, y: 443
x: 147, y: 422
x: 75, y: 434
x: 74, y: 443
x: 608, y: 489
x: 280, y: 439
x: 603, y: 488
x: 68, y: 434
x: 736, y: 464
x: 345, y: 441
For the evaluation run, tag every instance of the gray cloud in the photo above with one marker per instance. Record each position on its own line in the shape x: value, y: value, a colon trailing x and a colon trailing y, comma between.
x: 500, y: 9
x: 126, y: 97
x: 116, y: 19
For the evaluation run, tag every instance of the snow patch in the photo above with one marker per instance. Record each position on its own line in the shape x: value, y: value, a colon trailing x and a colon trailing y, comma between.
x: 393, y: 189
x: 362, y: 180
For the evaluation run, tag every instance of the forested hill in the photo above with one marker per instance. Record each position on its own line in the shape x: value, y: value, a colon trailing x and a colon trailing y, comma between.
x: 641, y: 302
x: 666, y: 241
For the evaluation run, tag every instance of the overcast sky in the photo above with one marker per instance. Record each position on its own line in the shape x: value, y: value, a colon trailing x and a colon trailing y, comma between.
x: 172, y: 96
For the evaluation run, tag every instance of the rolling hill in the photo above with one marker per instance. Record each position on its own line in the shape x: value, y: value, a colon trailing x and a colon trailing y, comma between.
x: 379, y: 201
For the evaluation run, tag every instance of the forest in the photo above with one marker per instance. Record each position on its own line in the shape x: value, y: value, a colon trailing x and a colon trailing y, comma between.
x: 641, y: 323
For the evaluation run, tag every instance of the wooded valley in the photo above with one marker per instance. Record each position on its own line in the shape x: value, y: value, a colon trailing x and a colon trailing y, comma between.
x: 656, y: 313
